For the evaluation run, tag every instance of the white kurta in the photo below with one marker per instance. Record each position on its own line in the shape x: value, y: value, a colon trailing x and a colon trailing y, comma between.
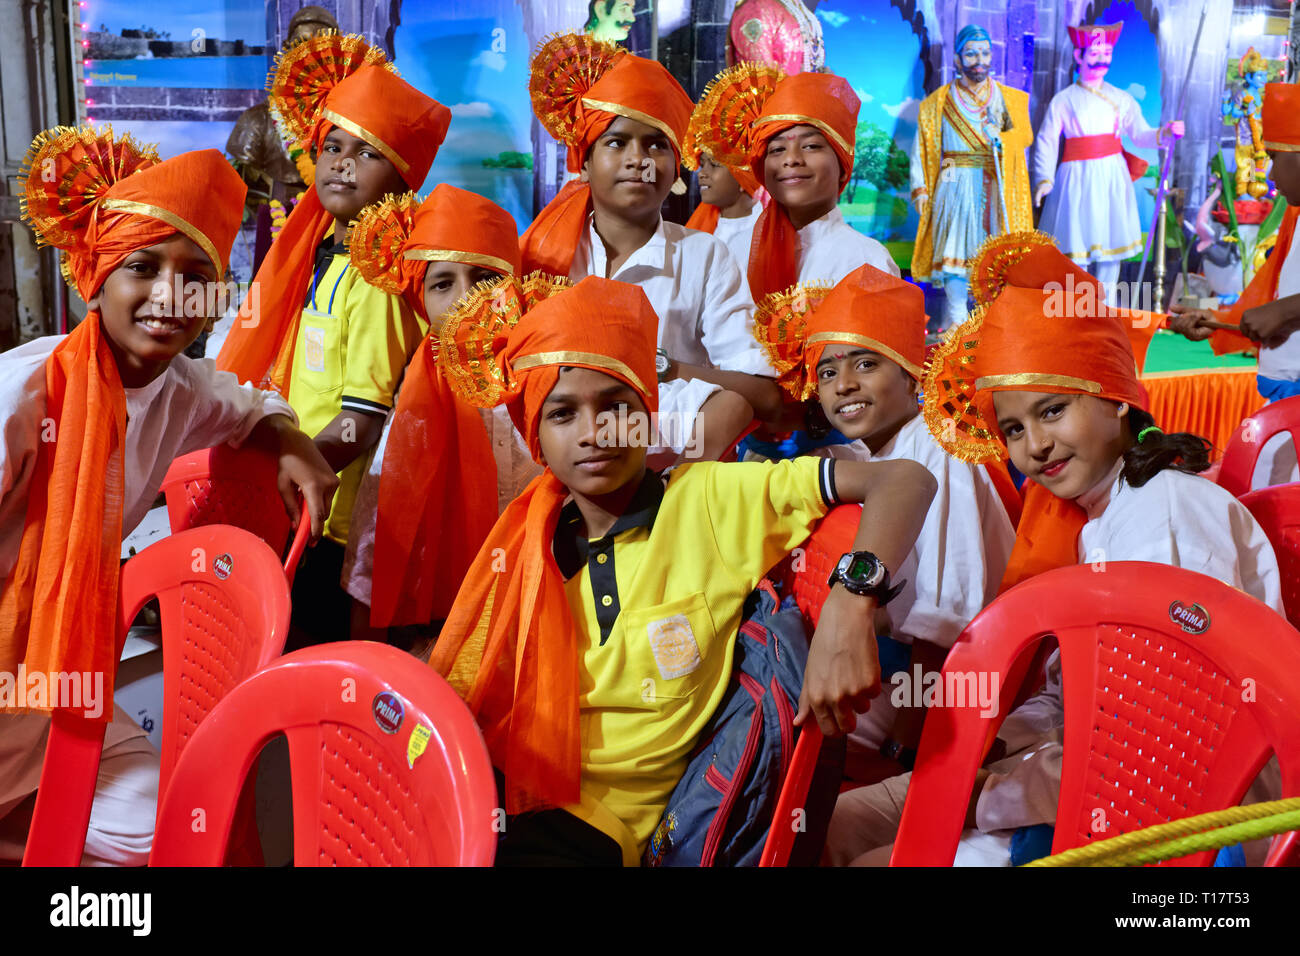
x: 829, y: 249
x: 705, y: 313
x: 189, y: 407
x: 1176, y: 519
x: 738, y: 235
x: 954, y: 568
x: 1092, y: 209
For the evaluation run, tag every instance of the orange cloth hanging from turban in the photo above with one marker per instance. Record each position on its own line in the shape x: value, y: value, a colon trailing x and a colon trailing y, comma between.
x: 509, y: 646
x: 579, y: 86
x: 437, y: 498
x: 105, y: 199
x: 327, y: 82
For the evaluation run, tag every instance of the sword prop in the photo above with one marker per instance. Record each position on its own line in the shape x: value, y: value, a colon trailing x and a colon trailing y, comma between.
x: 1162, y: 186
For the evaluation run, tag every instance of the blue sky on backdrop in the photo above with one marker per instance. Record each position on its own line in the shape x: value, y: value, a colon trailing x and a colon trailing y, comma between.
x: 223, y: 19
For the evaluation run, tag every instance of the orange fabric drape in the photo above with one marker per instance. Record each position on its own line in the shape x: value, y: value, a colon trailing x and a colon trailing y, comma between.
x: 1209, y: 402
x: 59, y: 608
x: 259, y: 348
x: 1262, y: 289
x: 437, y: 499
x: 549, y: 243
x: 705, y: 218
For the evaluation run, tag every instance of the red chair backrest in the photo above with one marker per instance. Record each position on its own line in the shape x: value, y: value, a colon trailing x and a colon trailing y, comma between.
x: 1176, y: 688
x: 356, y: 715
x: 1237, y: 469
x: 237, y: 487
x: 224, y: 605
x: 1277, y: 509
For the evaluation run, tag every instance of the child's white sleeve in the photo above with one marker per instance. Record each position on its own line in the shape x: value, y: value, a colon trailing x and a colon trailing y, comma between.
x: 222, y: 410
x: 727, y: 318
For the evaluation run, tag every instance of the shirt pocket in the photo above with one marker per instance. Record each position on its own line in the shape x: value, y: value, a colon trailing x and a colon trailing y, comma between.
x: 320, y: 366
x: 668, y: 645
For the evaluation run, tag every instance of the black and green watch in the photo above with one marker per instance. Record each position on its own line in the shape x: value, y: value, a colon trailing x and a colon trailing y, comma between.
x: 864, y: 574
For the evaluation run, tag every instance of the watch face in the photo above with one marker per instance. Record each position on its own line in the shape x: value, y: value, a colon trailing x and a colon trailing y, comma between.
x: 864, y: 570
x: 661, y: 362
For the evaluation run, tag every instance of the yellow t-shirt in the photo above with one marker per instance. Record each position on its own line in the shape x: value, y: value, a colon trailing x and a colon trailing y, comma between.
x: 353, y: 344
x: 657, y: 605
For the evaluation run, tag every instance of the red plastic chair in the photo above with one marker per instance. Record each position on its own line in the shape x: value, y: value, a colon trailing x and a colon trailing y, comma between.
x: 388, y: 766
x: 224, y: 605
x: 224, y: 485
x: 798, y: 778
x: 1238, y: 466
x: 1277, y: 509
x: 811, y: 570
x: 1156, y: 662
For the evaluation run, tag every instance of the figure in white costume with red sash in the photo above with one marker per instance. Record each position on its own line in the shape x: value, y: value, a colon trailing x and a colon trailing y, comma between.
x: 1091, y: 208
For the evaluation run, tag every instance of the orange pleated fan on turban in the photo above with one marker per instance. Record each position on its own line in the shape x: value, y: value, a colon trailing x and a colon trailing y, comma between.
x: 508, y: 646
x: 579, y: 86
x: 718, y: 129
x: 327, y: 82
x: 757, y: 103
x: 1040, y: 325
x: 98, y: 198
x: 437, y: 487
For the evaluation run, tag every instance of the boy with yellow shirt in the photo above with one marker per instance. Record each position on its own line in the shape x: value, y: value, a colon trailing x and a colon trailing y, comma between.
x: 314, y: 330
x: 593, y: 637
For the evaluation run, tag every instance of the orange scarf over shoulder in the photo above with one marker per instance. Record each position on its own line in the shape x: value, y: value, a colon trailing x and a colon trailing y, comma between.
x: 106, y: 199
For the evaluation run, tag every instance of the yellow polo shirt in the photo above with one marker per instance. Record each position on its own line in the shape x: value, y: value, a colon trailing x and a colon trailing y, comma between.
x: 353, y: 345
x: 657, y: 605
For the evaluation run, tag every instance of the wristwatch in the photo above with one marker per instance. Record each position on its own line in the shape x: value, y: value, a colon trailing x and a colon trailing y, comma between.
x: 662, y: 364
x: 864, y: 574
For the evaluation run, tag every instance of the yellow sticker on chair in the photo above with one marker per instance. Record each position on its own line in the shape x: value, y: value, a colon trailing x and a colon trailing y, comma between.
x: 673, y: 643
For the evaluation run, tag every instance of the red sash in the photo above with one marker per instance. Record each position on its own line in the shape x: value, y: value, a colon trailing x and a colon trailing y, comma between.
x: 1097, y: 147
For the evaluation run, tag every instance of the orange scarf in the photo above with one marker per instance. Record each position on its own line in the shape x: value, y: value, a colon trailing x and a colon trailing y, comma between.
x: 437, y: 499
x: 106, y: 199
x: 1261, y: 291
x: 509, y: 645
x: 705, y: 217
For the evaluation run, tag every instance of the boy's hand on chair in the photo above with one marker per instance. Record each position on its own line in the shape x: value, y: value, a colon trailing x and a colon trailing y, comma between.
x: 303, y: 469
x: 843, y: 671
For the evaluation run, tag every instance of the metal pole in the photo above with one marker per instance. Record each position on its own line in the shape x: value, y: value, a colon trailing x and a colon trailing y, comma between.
x: 1161, y: 226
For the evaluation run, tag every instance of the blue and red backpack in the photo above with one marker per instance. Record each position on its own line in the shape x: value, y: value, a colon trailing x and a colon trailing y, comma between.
x: 721, y: 809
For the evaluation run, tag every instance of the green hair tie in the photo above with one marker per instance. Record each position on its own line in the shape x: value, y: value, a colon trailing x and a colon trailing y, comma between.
x: 1147, y: 431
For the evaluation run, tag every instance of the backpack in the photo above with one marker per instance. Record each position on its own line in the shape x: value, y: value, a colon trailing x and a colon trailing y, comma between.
x: 720, y: 811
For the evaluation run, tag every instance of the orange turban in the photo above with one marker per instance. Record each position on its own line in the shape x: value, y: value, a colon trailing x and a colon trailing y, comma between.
x: 579, y: 86
x: 508, y: 646
x: 1040, y: 325
x: 1281, y: 117
x: 326, y: 82
x: 99, y: 199
x: 757, y: 103
x: 867, y: 309
x: 437, y: 498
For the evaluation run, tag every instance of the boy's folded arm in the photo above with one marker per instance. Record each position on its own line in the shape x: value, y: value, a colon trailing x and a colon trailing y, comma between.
x: 761, y: 392
x: 348, y: 436
x: 843, y: 671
